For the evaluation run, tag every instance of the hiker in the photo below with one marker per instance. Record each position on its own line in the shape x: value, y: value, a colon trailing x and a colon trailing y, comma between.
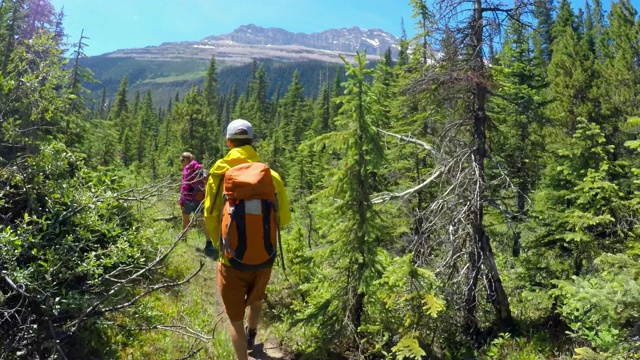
x: 248, y: 230
x: 191, y: 198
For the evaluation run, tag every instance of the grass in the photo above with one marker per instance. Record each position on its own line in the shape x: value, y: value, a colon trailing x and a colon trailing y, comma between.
x: 192, y: 76
x: 195, y: 305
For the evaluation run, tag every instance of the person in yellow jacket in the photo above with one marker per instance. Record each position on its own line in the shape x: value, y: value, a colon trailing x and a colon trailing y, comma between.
x: 240, y: 289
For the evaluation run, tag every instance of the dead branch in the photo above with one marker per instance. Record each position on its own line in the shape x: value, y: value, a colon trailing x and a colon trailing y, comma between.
x: 167, y: 218
x: 95, y: 310
x: 149, y: 291
x: 178, y: 329
x: 409, y: 139
x: 394, y: 195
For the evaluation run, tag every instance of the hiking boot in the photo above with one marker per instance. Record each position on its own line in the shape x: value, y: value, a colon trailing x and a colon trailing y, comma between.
x: 210, y: 250
x: 251, y: 337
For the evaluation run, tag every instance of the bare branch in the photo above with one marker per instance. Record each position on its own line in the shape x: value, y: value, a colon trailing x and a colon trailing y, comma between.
x: 179, y: 329
x: 150, y: 290
x: 388, y: 196
x: 409, y: 139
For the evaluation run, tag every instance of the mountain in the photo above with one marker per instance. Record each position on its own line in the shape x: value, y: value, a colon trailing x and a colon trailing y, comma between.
x: 174, y: 67
x: 350, y: 40
x: 250, y: 42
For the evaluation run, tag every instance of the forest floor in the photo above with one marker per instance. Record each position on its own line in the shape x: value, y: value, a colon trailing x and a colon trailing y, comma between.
x: 195, y: 308
x: 267, y: 346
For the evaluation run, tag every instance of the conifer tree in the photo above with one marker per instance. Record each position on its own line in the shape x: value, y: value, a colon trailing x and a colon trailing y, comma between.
x: 295, y: 120
x: 622, y: 71
x: 336, y: 93
x: 258, y: 106
x: 518, y: 114
x: 102, y: 106
x: 147, y: 129
x: 571, y: 72
x: 136, y: 104
x: 321, y: 123
x: 210, y: 91
x: 580, y: 211
x: 121, y: 104
x: 194, y: 130
x: 213, y: 105
x: 543, y: 37
x: 424, y: 18
x: 470, y: 114
x: 340, y: 290
x: 403, y: 51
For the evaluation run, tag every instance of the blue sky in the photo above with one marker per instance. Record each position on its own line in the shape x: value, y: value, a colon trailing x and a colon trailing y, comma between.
x: 120, y: 24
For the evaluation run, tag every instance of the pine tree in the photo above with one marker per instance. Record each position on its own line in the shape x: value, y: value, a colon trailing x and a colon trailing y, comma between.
x: 258, y: 106
x: 147, y: 129
x: 571, y: 72
x: 136, y: 104
x: 213, y: 106
x: 210, y: 93
x: 403, y: 51
x: 424, y: 19
x: 336, y: 93
x: 622, y: 71
x: 322, y: 119
x: 340, y: 290
x: 295, y: 118
x: 518, y: 115
x: 448, y: 82
x: 102, y: 106
x: 194, y: 130
x: 121, y: 105
x: 580, y: 212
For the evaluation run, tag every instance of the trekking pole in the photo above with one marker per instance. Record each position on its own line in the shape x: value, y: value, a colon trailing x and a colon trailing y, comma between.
x: 284, y: 268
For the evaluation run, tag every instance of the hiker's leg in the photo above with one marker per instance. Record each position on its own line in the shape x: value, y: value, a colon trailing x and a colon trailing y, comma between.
x: 232, y: 287
x: 185, y: 220
x: 204, y: 230
x: 239, y: 340
x: 255, y: 298
x: 254, y: 314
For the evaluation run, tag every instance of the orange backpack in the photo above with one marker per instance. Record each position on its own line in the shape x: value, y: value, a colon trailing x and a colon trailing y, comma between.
x: 249, y: 231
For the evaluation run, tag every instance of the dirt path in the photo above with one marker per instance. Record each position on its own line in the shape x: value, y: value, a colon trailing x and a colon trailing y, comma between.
x: 269, y: 350
x: 265, y: 349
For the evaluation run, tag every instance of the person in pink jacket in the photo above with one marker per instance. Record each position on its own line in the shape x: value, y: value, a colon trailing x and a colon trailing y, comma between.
x: 188, y: 203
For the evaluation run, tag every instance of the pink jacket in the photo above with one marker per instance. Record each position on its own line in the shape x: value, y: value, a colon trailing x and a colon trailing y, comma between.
x: 188, y: 176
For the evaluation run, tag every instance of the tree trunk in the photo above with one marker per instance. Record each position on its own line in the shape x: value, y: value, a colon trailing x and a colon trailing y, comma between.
x: 520, y: 201
x: 497, y: 294
x: 471, y: 327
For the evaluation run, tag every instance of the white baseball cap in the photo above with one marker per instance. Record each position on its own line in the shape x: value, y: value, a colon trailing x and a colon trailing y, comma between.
x: 239, y: 124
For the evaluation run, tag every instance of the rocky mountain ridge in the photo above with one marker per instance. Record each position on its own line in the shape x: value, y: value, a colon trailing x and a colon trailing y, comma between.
x: 373, y: 41
x: 250, y: 42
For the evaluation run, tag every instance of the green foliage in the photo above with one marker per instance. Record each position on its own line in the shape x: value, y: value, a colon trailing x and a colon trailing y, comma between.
x: 508, y: 348
x: 64, y: 230
x: 378, y: 280
x: 403, y: 304
x: 408, y: 348
x: 580, y: 210
x: 600, y: 307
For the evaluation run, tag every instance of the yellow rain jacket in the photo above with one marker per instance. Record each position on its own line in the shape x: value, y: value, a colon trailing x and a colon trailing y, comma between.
x: 213, y: 207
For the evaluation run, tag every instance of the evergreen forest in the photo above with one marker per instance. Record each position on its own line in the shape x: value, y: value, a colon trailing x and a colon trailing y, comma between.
x: 474, y: 196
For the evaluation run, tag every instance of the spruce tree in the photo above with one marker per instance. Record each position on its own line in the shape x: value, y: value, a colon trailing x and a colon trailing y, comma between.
x: 518, y: 115
x: 571, y: 72
x: 352, y: 232
x: 121, y: 104
x: 295, y: 118
x: 580, y: 212
x: 258, y: 106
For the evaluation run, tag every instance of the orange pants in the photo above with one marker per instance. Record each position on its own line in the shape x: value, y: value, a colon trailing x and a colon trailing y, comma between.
x: 240, y: 289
